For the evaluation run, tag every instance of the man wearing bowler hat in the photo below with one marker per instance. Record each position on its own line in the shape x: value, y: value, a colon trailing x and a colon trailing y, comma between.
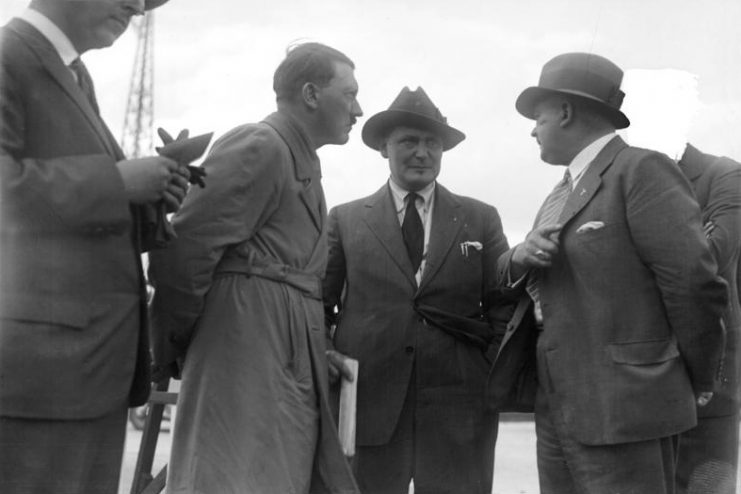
x: 74, y: 352
x: 621, y: 290
x: 410, y: 285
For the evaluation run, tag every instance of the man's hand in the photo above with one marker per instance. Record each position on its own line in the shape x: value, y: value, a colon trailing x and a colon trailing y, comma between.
x: 148, y: 179
x: 537, y: 251
x: 337, y: 367
x: 704, y: 398
x: 176, y: 189
x: 708, y: 228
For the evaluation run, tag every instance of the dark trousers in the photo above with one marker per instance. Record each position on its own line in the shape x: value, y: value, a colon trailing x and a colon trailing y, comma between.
x: 62, y: 456
x: 708, y: 456
x: 566, y: 466
x: 437, y: 444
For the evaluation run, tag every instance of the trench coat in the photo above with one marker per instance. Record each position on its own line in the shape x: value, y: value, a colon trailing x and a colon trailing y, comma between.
x: 238, y: 295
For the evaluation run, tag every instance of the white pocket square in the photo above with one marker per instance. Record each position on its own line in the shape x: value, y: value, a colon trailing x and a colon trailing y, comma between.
x: 465, y: 245
x: 590, y: 226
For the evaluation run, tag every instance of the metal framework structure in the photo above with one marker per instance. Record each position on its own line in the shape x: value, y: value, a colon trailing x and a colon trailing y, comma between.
x: 137, y: 138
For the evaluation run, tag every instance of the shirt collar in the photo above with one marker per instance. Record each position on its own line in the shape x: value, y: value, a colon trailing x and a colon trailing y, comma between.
x: 581, y: 161
x: 399, y: 194
x: 56, y: 37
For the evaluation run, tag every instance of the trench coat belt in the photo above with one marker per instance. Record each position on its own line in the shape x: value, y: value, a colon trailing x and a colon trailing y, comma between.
x: 308, y: 283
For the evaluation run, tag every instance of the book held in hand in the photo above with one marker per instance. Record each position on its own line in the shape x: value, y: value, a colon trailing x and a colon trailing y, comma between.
x: 348, y: 401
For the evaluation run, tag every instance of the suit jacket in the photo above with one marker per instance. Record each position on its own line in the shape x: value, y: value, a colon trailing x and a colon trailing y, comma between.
x: 71, y: 289
x: 717, y: 185
x: 387, y: 322
x: 631, y: 308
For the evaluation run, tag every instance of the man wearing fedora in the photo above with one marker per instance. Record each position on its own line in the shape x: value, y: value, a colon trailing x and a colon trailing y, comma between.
x: 410, y: 285
x: 626, y: 300
x: 74, y: 352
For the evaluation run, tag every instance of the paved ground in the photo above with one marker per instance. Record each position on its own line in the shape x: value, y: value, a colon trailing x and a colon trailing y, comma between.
x: 514, y: 464
x: 514, y: 472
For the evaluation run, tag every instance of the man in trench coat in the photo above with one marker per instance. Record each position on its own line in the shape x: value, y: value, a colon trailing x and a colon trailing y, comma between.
x: 240, y: 291
x: 420, y: 322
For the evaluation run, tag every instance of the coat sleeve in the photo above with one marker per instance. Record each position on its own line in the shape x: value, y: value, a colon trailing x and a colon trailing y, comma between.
x: 665, y: 225
x: 245, y: 175
x: 723, y: 210
x: 497, y: 302
x: 81, y: 191
x: 334, y: 279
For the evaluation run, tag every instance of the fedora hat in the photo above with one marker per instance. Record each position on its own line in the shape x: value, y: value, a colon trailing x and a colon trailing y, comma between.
x: 587, y: 76
x: 153, y: 4
x: 410, y: 109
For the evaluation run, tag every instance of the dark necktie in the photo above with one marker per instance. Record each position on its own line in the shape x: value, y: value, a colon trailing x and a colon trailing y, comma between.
x: 85, y: 82
x: 549, y: 213
x: 413, y: 231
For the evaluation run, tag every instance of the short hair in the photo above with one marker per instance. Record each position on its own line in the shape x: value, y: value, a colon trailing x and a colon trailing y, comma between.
x: 307, y: 62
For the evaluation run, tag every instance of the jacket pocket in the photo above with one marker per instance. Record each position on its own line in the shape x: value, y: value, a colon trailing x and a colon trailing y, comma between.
x: 46, y: 308
x: 643, y: 352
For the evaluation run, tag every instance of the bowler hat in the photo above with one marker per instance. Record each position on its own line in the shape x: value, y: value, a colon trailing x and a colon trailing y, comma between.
x: 584, y: 75
x: 153, y: 4
x: 410, y: 109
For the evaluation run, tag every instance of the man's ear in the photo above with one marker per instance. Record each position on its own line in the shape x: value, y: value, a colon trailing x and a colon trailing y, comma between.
x: 383, y: 149
x: 310, y: 95
x: 566, y: 113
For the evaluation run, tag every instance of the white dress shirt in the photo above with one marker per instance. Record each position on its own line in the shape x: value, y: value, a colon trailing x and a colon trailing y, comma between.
x: 56, y: 37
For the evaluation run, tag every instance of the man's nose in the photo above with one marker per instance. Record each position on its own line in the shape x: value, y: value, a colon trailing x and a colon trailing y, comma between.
x: 356, y: 110
x: 421, y: 150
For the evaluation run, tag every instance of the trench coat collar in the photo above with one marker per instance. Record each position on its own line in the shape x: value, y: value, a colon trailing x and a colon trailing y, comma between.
x: 306, y: 165
x: 305, y: 160
x: 590, y: 183
x: 50, y: 60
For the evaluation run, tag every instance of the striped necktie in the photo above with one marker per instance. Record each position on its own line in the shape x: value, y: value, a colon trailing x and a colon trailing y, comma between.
x: 549, y: 214
x: 85, y: 82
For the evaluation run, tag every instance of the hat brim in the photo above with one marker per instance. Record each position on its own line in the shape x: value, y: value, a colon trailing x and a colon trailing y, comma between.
x: 531, y: 96
x: 377, y: 128
x: 153, y: 4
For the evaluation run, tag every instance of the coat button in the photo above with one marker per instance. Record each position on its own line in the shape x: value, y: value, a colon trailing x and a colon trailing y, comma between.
x: 409, y: 350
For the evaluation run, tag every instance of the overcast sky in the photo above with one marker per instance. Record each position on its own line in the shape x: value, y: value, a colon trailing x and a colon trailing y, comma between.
x: 214, y: 66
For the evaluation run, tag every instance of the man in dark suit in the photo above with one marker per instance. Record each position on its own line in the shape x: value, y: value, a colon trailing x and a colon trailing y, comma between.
x: 73, y: 338
x: 627, y: 302
x: 708, y: 453
x: 410, y: 284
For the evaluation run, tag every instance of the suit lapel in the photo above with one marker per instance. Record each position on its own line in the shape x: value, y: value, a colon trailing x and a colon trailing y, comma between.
x: 447, y: 220
x: 380, y: 216
x: 591, y: 181
x: 49, y: 58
